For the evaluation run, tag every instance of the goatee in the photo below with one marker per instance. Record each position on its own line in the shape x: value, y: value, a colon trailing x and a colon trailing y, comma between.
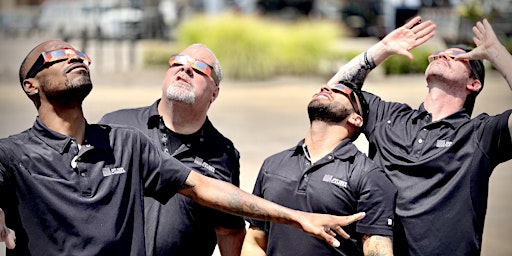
x: 330, y: 113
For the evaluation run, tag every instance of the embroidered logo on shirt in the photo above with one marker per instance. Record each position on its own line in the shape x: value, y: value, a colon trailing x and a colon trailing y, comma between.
x: 443, y: 143
x: 112, y: 171
x: 199, y: 161
x: 331, y: 179
x: 390, y: 222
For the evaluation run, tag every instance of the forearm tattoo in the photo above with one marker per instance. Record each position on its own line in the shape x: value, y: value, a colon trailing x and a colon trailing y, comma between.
x: 377, y: 245
x: 240, y: 203
x: 356, y: 70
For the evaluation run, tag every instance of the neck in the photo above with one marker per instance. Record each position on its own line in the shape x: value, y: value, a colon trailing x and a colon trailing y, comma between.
x: 180, y: 117
x: 443, y: 103
x: 68, y: 121
x: 322, y: 138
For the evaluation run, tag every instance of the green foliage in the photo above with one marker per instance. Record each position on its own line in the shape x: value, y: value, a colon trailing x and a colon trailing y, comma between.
x: 403, y: 65
x: 253, y: 48
x: 250, y: 47
x: 157, y: 54
x: 508, y: 44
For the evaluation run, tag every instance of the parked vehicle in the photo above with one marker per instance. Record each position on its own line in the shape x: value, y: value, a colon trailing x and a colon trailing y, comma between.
x: 71, y: 18
x: 121, y: 23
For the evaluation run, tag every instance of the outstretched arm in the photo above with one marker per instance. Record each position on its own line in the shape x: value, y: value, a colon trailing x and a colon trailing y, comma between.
x: 399, y: 42
x: 226, y: 197
x: 6, y: 235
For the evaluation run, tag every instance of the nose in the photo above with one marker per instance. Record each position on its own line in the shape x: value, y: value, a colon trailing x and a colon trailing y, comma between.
x: 78, y: 59
x: 444, y: 55
x: 187, y: 67
x: 325, y: 88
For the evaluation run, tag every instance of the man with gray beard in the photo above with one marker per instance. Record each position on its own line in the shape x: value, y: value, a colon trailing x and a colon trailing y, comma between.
x: 178, y: 122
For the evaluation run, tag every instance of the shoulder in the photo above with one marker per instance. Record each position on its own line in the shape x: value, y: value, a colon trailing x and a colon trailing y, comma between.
x: 214, y: 135
x: 117, y: 132
x: 10, y: 145
x: 281, y: 157
x: 365, y: 168
x: 128, y: 116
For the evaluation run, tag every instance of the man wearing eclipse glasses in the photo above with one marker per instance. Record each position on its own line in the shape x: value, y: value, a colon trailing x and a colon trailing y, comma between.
x: 326, y: 173
x: 72, y: 188
x: 438, y: 157
x: 179, y: 124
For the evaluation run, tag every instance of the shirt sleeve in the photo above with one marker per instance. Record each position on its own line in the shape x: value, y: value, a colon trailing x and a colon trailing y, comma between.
x: 494, y: 137
x: 380, y: 110
x: 4, y: 157
x: 377, y: 199
x: 163, y: 175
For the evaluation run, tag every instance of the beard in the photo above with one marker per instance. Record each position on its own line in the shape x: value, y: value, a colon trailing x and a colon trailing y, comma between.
x: 182, y: 93
x: 329, y: 113
x: 75, y: 90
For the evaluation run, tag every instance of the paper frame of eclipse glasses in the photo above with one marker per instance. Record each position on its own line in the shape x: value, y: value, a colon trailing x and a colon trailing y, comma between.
x: 55, y: 56
x: 350, y: 94
x: 199, y: 66
x: 450, y: 53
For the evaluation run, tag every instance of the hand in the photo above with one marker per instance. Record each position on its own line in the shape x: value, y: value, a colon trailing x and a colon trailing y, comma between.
x: 6, y: 235
x: 486, y: 41
x: 324, y: 225
x: 409, y: 36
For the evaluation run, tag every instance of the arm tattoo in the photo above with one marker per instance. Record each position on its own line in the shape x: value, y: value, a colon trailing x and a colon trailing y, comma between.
x: 375, y: 245
x: 356, y: 70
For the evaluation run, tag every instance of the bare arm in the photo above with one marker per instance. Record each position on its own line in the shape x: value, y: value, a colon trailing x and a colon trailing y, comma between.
x: 230, y: 241
x: 398, y: 42
x: 226, y: 197
x: 6, y: 235
x: 255, y: 243
x: 374, y: 245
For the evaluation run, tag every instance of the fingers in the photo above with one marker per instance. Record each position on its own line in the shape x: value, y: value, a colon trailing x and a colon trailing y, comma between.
x: 340, y: 231
x: 420, y: 32
x: 6, y: 235
x: 412, y: 22
x: 328, y: 236
x: 10, y: 241
x: 351, y: 218
x: 328, y: 232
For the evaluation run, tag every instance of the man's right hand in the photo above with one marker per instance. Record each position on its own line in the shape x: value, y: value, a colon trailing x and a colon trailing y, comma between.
x: 6, y: 235
x: 326, y: 226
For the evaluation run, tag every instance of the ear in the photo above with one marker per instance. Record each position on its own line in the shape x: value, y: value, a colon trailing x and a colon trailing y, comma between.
x: 215, y: 94
x: 355, y: 120
x: 31, y: 86
x: 474, y: 86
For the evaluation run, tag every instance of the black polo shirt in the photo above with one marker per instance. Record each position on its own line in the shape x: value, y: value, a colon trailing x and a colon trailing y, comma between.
x: 441, y: 170
x: 176, y: 227
x: 62, y: 200
x: 343, y: 182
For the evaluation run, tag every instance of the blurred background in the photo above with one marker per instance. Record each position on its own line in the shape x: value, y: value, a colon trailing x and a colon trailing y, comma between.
x: 267, y: 38
x: 157, y: 19
x: 274, y: 55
